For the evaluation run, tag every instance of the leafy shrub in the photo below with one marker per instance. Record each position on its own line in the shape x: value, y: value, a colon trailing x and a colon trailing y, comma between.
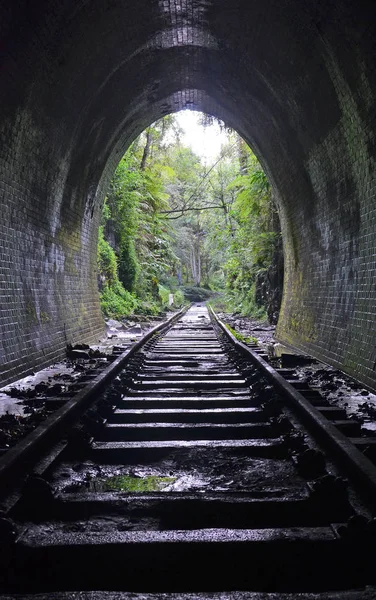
x: 116, y: 302
x: 107, y: 262
x: 220, y: 303
x: 243, y: 301
x: 240, y: 337
x: 164, y: 294
x: 148, y: 307
x: 178, y: 299
x: 217, y: 281
x: 128, y: 265
x: 196, y: 294
x: 170, y: 282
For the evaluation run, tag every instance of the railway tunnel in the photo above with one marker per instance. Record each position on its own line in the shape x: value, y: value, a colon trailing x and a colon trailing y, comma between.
x: 81, y: 79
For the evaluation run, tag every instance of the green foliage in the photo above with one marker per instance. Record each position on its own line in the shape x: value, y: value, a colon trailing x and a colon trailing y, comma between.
x: 179, y: 299
x: 106, y: 213
x: 107, y: 262
x: 133, y: 221
x: 116, y: 302
x: 219, y: 303
x: 149, y: 307
x: 122, y: 203
x: 127, y: 483
x: 164, y: 294
x: 217, y: 281
x: 255, y: 241
x: 242, y: 300
x: 169, y: 281
x: 177, y: 226
x: 196, y: 294
x: 129, y: 267
x: 240, y: 337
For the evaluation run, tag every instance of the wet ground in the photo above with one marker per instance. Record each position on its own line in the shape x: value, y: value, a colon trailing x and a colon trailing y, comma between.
x: 198, y: 470
x: 23, y: 406
x: 334, y: 385
x: 194, y: 481
x: 23, y: 403
x: 261, y: 330
x: 202, y: 473
x: 368, y: 594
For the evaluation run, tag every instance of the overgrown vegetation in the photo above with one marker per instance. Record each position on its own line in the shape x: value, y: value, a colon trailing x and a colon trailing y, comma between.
x: 172, y: 225
x: 127, y: 483
x: 240, y: 337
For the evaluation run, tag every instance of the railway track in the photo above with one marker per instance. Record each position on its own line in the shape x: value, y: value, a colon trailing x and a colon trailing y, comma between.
x: 199, y: 472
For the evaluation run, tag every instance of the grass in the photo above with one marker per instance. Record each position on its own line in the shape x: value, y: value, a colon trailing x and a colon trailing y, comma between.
x: 240, y: 337
x: 126, y: 483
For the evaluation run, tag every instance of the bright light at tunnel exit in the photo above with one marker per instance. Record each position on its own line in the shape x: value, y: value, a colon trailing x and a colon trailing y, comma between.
x: 204, y: 141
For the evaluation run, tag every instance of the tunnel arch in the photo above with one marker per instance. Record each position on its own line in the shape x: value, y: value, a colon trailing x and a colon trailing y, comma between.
x: 83, y: 79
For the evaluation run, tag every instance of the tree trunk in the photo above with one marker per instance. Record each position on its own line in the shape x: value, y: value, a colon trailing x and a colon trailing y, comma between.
x: 146, y: 151
x: 196, y: 259
x: 242, y: 154
x: 193, y: 264
x: 198, y: 272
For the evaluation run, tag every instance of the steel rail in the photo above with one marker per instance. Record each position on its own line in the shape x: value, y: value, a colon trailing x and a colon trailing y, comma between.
x: 26, y: 452
x: 241, y: 487
x: 359, y: 467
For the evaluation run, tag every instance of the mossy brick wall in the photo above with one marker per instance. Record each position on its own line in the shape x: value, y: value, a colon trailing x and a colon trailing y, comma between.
x: 81, y: 79
x: 48, y: 292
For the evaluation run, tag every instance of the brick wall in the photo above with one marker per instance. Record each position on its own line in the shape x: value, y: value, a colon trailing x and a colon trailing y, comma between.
x: 48, y: 292
x: 81, y: 79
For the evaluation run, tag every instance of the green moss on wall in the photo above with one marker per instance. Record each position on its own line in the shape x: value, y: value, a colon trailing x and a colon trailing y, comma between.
x: 31, y: 312
x: 44, y: 317
x: 71, y: 244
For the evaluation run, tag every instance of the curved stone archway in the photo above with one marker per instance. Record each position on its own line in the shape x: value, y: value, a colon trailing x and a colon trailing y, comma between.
x: 82, y: 79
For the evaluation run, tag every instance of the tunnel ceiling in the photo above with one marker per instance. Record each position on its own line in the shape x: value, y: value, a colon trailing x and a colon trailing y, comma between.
x: 81, y: 79
x: 123, y: 64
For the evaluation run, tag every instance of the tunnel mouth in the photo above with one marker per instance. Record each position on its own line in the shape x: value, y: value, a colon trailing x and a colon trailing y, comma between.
x: 209, y: 191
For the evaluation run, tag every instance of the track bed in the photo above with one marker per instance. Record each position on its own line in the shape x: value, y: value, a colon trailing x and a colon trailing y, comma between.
x: 192, y: 476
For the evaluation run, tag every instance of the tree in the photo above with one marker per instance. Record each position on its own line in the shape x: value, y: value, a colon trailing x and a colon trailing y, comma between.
x: 169, y: 216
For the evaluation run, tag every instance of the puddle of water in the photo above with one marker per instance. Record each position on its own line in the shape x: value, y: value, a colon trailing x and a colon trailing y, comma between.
x: 189, y: 483
x: 126, y: 483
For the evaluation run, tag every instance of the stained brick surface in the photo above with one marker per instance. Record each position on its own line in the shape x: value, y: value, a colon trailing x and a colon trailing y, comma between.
x: 80, y: 79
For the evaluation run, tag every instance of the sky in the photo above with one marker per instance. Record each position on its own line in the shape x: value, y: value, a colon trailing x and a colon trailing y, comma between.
x: 204, y: 141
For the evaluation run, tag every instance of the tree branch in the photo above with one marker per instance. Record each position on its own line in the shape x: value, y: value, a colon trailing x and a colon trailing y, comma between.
x: 187, y: 210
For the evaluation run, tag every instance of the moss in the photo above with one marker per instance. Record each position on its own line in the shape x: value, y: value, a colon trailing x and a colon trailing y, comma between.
x: 44, y: 317
x: 69, y: 265
x: 71, y: 244
x: 69, y: 239
x: 82, y: 314
x: 31, y: 312
x: 240, y: 337
x: 126, y: 483
x: 294, y: 247
x: 302, y: 324
x: 298, y: 324
x: 107, y: 262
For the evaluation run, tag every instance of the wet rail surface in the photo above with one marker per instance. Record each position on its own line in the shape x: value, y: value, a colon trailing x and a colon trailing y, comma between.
x: 192, y: 476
